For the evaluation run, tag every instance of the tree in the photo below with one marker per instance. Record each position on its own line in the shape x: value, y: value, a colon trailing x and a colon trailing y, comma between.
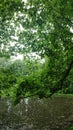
x: 45, y: 28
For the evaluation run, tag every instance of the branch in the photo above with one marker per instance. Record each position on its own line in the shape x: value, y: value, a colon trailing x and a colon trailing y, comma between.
x: 60, y: 83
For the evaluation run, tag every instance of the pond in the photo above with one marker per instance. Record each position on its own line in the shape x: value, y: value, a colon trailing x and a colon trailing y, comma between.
x: 55, y: 113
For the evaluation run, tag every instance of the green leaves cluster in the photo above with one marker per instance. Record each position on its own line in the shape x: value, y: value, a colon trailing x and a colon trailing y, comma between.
x: 8, y: 8
x: 45, y: 28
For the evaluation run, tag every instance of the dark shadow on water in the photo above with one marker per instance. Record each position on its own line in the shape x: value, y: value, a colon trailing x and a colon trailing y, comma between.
x: 34, y: 114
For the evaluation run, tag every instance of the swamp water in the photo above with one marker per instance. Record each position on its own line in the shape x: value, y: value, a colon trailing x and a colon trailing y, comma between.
x: 55, y: 113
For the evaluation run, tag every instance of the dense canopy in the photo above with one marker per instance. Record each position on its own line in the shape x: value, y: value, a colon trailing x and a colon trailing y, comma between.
x: 45, y: 29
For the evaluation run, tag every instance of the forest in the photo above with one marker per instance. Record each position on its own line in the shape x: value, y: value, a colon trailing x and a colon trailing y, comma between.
x: 36, y: 64
x: 42, y: 32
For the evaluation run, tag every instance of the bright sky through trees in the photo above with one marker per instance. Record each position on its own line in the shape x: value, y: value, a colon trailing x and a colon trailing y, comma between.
x: 25, y: 1
x: 37, y: 29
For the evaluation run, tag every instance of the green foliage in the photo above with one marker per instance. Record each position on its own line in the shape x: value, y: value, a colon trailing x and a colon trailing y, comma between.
x: 8, y: 8
x: 71, y: 128
x: 46, y: 29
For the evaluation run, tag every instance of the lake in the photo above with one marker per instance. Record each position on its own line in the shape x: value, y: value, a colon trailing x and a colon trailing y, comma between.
x: 55, y: 113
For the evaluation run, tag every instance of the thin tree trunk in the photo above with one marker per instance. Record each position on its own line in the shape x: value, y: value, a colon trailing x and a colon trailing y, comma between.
x: 60, y: 83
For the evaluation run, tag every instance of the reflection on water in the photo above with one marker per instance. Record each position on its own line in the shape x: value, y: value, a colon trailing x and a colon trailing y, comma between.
x: 34, y: 114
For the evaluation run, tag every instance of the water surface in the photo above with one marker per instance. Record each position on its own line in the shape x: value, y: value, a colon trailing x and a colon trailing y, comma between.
x: 55, y: 113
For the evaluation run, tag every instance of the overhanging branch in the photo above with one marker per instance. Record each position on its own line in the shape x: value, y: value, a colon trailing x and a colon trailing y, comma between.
x: 60, y: 83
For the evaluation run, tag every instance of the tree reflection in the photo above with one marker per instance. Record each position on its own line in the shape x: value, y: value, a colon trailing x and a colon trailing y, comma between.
x: 35, y: 114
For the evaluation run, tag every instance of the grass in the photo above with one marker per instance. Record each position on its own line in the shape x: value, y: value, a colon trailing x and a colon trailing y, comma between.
x: 63, y: 95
